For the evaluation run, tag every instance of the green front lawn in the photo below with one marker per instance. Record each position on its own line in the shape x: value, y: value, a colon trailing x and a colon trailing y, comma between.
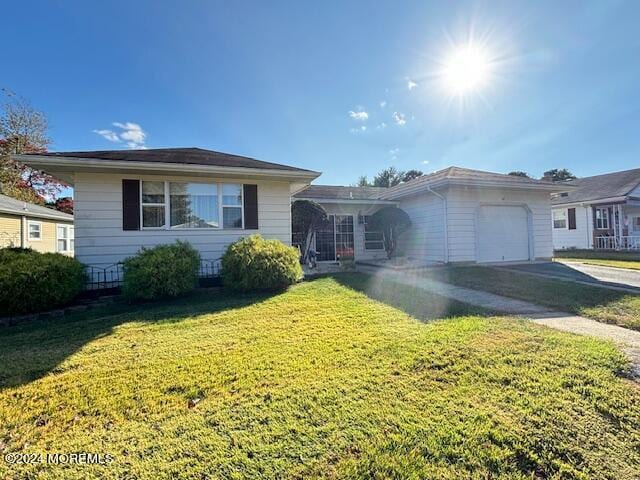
x: 320, y: 381
x: 602, y: 304
x: 599, y: 257
x: 632, y: 264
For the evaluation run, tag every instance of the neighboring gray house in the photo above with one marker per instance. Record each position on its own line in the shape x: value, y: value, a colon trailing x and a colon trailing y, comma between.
x: 600, y: 212
x: 125, y: 200
x: 458, y: 215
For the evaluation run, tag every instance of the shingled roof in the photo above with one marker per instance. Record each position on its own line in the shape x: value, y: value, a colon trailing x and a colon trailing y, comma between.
x: 334, y: 192
x: 18, y: 207
x: 598, y: 187
x: 191, y: 155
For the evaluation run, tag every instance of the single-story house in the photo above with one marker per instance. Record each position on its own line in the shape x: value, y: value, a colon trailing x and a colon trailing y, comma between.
x: 33, y: 226
x: 128, y: 199
x: 600, y: 212
x: 125, y: 200
x: 458, y: 215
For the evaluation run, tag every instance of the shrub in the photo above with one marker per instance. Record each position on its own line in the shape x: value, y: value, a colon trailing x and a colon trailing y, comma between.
x: 254, y: 263
x: 162, y: 271
x: 31, y: 281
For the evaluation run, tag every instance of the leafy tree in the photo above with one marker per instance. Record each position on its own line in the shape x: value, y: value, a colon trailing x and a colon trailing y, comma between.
x: 557, y: 175
x: 23, y: 130
x: 391, y: 221
x: 64, y: 204
x: 388, y: 177
x: 519, y: 173
x: 363, y: 181
x: 411, y: 174
x: 306, y: 216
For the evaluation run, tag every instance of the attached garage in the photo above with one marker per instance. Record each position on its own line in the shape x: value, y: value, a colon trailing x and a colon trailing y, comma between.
x: 503, y: 233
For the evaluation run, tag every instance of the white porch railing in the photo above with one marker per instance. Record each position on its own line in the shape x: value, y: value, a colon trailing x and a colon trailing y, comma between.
x: 627, y: 242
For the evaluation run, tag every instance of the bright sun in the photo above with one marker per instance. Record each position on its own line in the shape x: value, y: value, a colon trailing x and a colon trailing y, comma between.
x: 466, y: 70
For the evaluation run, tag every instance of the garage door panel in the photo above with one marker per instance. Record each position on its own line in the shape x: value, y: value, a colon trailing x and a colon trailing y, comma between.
x: 503, y: 233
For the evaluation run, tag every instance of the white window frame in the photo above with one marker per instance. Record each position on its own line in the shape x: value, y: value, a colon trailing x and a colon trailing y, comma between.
x: 604, y: 217
x: 39, y: 224
x: 241, y: 206
x: 364, y: 235
x: 635, y: 223
x: 167, y: 206
x: 565, y: 213
x: 69, y: 240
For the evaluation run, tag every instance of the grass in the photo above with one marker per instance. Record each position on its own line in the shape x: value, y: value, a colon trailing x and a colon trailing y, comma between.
x: 604, y: 258
x: 632, y: 264
x: 320, y: 381
x: 602, y: 304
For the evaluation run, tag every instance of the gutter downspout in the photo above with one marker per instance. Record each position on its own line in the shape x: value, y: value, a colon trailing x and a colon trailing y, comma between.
x: 446, y: 223
x: 23, y: 232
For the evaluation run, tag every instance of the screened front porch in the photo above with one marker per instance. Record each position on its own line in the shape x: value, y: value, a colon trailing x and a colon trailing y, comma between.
x: 617, y: 226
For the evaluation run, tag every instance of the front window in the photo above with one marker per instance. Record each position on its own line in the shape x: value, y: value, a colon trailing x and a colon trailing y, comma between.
x: 602, y: 218
x: 372, y: 238
x: 186, y: 205
x: 559, y: 219
x: 65, y: 238
x: 232, y: 205
x: 194, y: 205
x: 35, y: 230
x: 153, y: 204
x: 636, y: 224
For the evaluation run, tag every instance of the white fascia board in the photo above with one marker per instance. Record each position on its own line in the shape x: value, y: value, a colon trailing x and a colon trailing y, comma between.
x: 78, y: 164
x: 347, y: 202
x: 592, y: 202
x: 424, y: 187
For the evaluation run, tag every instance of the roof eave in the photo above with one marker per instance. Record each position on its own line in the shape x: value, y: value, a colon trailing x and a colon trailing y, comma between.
x: 28, y: 213
x: 80, y: 164
x: 425, y: 187
x: 348, y: 201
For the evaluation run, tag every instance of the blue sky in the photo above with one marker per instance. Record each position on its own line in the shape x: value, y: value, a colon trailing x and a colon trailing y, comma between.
x: 288, y: 81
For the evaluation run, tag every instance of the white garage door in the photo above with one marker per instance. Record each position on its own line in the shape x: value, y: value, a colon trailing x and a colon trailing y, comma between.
x: 503, y: 234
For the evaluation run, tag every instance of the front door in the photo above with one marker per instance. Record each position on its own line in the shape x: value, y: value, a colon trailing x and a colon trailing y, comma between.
x: 334, y: 239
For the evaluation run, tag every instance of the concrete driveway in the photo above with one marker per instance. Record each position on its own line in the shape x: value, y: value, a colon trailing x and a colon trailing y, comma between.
x: 579, y: 272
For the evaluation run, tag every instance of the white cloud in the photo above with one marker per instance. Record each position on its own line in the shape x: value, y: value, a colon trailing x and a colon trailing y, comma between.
x: 425, y: 162
x: 131, y: 133
x: 359, y: 115
x: 108, y: 134
x: 394, y: 151
x: 411, y: 84
x: 399, y: 118
x: 361, y: 129
x: 381, y: 126
x: 383, y: 103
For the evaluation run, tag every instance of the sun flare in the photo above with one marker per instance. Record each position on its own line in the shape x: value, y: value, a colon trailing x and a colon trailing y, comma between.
x: 467, y: 70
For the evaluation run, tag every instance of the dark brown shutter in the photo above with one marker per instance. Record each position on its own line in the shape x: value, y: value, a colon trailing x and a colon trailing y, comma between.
x: 131, y: 204
x: 572, y: 218
x: 250, y: 195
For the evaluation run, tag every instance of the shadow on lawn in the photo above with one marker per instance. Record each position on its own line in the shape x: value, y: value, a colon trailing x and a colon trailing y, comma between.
x: 31, y: 350
x: 416, y: 302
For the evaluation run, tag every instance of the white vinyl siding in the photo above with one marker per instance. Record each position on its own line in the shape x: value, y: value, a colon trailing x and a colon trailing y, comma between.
x: 462, y: 207
x: 424, y: 241
x: 100, y: 240
x: 581, y: 237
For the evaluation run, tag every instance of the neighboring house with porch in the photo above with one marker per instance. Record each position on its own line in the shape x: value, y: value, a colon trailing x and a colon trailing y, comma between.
x: 33, y: 226
x: 600, y: 212
x: 125, y: 200
x: 458, y: 215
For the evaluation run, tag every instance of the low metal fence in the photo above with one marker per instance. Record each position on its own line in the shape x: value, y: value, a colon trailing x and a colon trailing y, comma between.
x: 112, y: 276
